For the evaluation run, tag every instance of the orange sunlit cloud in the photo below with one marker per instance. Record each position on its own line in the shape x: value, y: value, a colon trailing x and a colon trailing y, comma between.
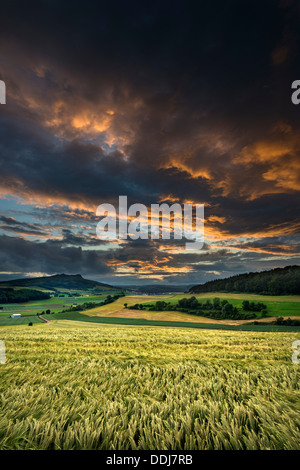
x: 87, y: 132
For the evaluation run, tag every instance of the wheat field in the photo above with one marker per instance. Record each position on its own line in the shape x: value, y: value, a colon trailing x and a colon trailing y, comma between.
x: 69, y: 385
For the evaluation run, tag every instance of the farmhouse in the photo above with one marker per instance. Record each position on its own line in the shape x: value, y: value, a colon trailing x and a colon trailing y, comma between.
x: 15, y: 315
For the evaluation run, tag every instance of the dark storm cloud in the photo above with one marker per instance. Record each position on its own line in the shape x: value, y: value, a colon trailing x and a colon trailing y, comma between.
x: 63, y: 214
x: 282, y: 245
x: 177, y: 101
x: 19, y: 255
x: 80, y: 171
x: 143, y: 260
x: 12, y: 225
x: 270, y: 213
x: 202, y: 81
x: 76, y: 239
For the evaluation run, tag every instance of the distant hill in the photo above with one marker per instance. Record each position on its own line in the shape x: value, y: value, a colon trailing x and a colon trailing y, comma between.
x: 59, y: 281
x: 157, y: 289
x: 10, y: 295
x: 279, y: 281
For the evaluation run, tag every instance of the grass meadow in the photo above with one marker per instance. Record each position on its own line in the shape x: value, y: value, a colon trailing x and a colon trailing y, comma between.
x: 55, y: 304
x: 288, y: 305
x: 75, y: 385
x: 276, y: 305
x: 115, y: 313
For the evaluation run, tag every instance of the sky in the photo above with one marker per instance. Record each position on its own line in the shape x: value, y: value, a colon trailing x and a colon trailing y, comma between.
x: 163, y: 101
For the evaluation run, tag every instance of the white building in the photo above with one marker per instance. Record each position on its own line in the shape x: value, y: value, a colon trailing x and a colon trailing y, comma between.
x: 15, y: 315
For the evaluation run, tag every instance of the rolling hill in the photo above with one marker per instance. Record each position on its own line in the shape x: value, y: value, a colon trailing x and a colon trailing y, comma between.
x: 278, y: 281
x: 157, y: 288
x: 59, y: 281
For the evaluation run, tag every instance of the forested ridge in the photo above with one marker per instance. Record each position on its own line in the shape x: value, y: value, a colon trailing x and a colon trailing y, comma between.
x: 10, y: 295
x: 278, y: 281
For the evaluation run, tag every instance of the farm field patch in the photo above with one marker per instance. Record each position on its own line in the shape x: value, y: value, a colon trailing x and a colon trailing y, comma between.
x: 88, y: 386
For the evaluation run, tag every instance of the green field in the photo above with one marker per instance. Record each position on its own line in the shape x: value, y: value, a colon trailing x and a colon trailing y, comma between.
x: 72, y: 385
x: 18, y: 321
x: 115, y: 313
x: 276, y: 305
x: 55, y: 304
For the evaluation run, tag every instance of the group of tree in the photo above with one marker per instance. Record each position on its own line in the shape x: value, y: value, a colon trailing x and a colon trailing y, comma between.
x: 10, y: 295
x: 47, y: 312
x: 215, y: 308
x: 88, y: 305
x: 279, y: 281
x: 253, y: 306
x: 281, y: 322
x: 287, y: 322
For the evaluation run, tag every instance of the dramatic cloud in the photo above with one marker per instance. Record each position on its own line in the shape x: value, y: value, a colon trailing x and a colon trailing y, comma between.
x: 171, y: 102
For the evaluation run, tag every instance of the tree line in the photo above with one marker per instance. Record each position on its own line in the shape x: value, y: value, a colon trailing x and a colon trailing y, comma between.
x: 10, y: 295
x: 215, y: 308
x: 279, y: 281
x: 88, y: 305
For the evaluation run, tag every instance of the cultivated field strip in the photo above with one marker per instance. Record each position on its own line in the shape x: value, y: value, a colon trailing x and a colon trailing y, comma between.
x: 103, y: 387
